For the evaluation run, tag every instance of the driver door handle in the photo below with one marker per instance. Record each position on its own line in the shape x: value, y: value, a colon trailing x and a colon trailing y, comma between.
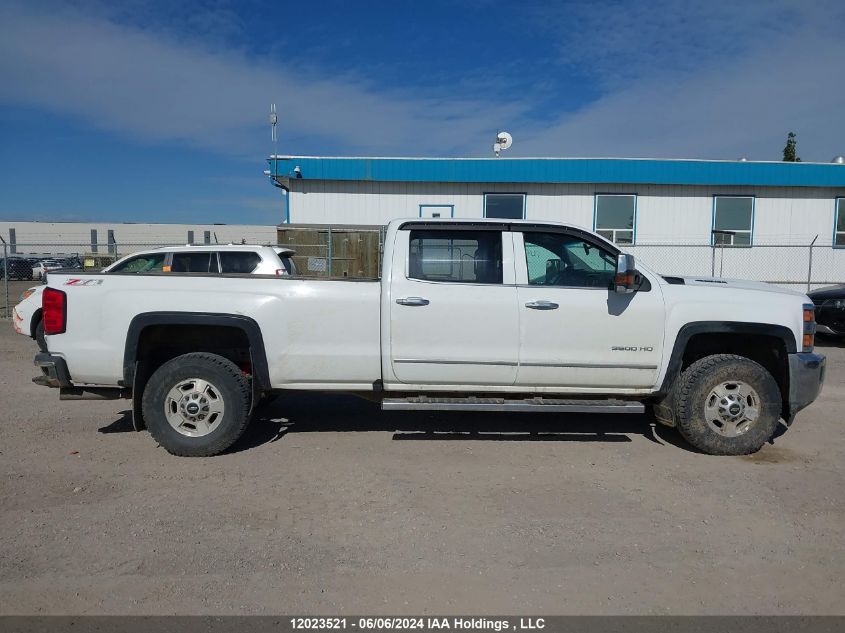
x: 542, y: 305
x: 412, y: 301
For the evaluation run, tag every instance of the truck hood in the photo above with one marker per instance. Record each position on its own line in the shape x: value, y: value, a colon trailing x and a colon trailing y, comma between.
x: 741, y: 284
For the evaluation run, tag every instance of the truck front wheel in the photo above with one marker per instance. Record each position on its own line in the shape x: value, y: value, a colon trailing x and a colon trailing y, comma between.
x: 197, y: 404
x: 727, y: 405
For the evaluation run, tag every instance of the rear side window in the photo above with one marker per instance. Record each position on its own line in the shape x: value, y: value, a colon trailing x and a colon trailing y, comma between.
x: 141, y: 264
x: 194, y: 262
x: 456, y: 256
x: 239, y: 262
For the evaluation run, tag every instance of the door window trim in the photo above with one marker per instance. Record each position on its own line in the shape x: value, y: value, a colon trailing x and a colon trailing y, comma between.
x: 522, y: 265
x: 508, y: 253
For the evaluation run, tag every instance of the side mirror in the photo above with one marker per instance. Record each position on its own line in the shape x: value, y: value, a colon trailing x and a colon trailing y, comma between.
x: 626, y: 274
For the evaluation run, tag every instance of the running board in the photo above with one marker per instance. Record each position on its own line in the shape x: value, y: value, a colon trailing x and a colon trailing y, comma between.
x: 512, y: 405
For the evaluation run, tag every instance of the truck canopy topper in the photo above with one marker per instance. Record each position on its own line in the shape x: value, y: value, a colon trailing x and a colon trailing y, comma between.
x: 467, y: 315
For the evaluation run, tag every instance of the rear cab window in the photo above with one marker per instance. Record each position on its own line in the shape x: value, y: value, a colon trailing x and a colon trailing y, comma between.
x: 455, y: 256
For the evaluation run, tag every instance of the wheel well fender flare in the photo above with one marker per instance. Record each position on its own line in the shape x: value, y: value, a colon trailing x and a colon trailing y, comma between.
x: 258, y: 353
x: 690, y: 330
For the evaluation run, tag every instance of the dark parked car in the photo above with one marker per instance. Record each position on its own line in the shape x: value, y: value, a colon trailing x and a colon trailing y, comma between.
x: 830, y: 309
x: 15, y: 268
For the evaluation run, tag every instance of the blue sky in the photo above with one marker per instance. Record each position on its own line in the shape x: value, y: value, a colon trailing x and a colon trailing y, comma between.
x: 157, y: 111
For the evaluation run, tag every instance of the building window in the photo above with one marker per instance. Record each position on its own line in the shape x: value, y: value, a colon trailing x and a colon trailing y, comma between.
x: 437, y: 211
x: 13, y: 241
x: 93, y: 240
x: 190, y: 237
x: 616, y: 217
x: 733, y: 220
x: 206, y: 237
x: 839, y: 226
x: 508, y: 206
x: 456, y: 256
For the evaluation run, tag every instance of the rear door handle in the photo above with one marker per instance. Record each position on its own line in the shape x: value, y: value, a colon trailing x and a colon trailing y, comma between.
x: 542, y: 305
x: 412, y: 301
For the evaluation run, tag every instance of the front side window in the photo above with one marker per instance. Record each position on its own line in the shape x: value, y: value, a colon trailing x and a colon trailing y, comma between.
x: 839, y: 231
x: 509, y: 206
x: 153, y: 263
x: 558, y: 259
x: 456, y: 256
x: 243, y: 262
x: 615, y: 217
x: 733, y: 218
x: 198, y: 262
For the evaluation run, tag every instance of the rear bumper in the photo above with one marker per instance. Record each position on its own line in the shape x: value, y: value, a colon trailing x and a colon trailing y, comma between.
x: 806, y: 376
x: 54, y: 371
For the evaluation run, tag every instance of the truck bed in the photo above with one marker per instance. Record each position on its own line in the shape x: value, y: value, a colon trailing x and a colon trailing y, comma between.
x: 317, y: 332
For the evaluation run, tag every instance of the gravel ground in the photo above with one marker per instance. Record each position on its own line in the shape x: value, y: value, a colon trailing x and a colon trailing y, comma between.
x: 330, y: 506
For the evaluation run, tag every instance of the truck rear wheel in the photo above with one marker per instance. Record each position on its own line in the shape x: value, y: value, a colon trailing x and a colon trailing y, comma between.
x: 197, y: 405
x: 727, y: 405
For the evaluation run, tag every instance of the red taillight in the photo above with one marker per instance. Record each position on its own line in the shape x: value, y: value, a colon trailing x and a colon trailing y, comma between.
x: 53, y: 311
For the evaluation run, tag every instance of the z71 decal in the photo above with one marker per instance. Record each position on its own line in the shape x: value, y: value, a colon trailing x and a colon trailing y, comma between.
x: 83, y: 282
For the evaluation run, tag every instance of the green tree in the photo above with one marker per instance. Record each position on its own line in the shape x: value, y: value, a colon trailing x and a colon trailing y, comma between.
x: 790, y: 152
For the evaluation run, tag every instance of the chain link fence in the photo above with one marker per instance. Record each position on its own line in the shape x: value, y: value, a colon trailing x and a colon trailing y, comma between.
x: 357, y: 253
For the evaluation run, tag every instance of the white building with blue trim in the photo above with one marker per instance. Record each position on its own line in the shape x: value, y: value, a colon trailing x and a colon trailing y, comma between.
x: 742, y: 219
x: 631, y: 201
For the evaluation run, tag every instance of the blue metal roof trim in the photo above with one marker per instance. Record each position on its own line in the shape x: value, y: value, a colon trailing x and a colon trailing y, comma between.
x: 563, y: 170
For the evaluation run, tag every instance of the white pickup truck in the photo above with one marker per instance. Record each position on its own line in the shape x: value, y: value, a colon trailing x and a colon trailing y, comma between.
x: 468, y: 315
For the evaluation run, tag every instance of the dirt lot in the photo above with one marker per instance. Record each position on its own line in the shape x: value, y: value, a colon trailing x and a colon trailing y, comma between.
x: 328, y: 505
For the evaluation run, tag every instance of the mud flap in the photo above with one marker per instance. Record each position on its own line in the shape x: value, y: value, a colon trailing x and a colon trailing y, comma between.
x: 138, y: 383
x: 664, y: 414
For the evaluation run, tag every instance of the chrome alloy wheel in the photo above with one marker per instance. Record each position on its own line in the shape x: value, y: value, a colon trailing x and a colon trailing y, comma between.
x: 732, y: 408
x: 194, y: 407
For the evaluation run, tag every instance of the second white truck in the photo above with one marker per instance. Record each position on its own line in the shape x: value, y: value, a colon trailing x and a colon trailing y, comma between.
x: 480, y: 315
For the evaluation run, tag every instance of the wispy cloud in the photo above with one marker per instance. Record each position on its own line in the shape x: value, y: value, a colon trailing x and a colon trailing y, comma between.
x: 674, y: 78
x: 151, y: 87
x: 702, y: 79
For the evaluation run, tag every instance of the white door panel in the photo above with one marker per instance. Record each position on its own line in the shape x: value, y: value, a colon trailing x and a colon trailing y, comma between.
x: 465, y: 334
x: 595, y: 338
x: 584, y: 336
x: 451, y: 332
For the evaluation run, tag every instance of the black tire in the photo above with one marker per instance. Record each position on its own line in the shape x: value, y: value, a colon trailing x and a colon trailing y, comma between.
x: 230, y: 386
x: 39, y: 336
x: 695, y: 386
